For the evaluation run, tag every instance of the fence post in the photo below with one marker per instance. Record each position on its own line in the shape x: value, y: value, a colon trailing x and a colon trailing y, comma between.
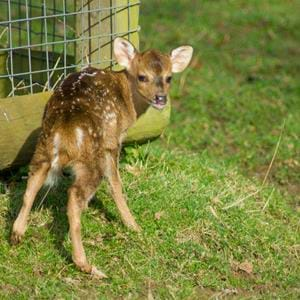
x: 4, y: 82
x: 113, y: 19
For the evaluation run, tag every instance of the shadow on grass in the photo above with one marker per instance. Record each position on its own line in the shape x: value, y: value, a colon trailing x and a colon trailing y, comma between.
x: 56, y: 202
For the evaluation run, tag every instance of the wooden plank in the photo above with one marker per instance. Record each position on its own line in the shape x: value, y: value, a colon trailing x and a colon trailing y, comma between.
x: 150, y: 125
x: 20, y: 119
x: 90, y: 25
x: 107, y: 24
x: 127, y: 20
x: 5, y: 84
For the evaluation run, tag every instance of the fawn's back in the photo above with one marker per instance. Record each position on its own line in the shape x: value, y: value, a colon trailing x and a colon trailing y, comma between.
x: 86, y: 115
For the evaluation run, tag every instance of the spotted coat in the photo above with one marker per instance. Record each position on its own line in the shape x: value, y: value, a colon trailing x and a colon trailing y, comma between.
x: 89, y: 113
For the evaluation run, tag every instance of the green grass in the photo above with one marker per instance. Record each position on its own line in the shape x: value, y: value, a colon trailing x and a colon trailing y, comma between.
x: 228, y: 114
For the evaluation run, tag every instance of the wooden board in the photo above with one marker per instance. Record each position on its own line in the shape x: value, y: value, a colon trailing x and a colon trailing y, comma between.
x: 112, y: 21
x: 4, y: 82
x: 20, y: 119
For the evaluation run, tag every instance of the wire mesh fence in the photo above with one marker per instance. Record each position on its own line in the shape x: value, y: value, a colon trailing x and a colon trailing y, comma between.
x: 42, y: 41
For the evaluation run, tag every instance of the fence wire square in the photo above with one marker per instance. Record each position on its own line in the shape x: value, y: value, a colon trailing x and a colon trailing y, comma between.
x: 42, y: 41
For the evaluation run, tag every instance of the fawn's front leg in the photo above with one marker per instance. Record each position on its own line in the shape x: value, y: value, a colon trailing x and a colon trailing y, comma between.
x: 113, y: 176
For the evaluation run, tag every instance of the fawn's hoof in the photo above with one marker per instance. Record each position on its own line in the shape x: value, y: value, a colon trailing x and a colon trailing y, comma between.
x: 97, y: 273
x: 87, y: 268
x: 134, y: 227
x: 16, y: 238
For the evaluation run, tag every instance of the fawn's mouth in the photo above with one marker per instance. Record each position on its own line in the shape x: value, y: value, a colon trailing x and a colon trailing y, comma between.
x: 158, y: 104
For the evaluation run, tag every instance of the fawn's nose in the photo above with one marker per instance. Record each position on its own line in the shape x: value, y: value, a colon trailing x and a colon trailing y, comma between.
x: 161, y: 98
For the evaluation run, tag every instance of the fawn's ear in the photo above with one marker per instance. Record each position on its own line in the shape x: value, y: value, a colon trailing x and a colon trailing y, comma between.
x: 124, y: 52
x: 180, y: 58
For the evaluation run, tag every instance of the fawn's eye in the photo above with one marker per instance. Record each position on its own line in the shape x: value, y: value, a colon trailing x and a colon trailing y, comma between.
x: 142, y: 78
x: 168, y: 79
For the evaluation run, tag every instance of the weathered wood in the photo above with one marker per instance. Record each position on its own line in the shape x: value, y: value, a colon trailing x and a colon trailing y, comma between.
x: 112, y: 21
x: 4, y: 82
x: 20, y: 120
x: 127, y: 21
x: 91, y: 25
x: 150, y: 125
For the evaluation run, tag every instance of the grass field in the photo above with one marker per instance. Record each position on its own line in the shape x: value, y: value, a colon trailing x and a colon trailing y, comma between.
x: 217, y: 195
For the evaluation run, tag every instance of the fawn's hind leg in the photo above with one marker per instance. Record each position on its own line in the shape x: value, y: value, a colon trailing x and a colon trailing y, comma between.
x: 83, y: 188
x: 34, y: 183
x: 114, y: 179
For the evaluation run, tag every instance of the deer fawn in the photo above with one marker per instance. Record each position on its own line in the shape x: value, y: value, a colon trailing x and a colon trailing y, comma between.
x: 83, y: 126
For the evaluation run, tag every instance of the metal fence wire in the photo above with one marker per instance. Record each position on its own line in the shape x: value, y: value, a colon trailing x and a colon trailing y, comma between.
x: 42, y: 41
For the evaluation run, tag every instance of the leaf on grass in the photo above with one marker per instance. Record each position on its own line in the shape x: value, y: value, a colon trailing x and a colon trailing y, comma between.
x: 150, y: 295
x: 246, y: 266
x: 97, y: 241
x: 214, y: 213
x: 69, y: 280
x: 158, y: 215
x: 215, y: 200
x: 134, y: 170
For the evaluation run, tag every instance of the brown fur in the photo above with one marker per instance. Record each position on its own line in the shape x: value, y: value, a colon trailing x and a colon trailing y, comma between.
x: 83, y: 126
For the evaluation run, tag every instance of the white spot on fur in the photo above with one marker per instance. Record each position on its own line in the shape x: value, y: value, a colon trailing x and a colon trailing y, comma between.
x: 56, y: 143
x: 79, y: 136
x: 83, y: 73
x: 54, y: 170
x: 110, y: 116
x: 108, y: 165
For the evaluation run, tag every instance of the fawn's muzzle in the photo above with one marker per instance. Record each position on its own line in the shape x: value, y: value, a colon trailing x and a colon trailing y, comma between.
x: 159, y: 101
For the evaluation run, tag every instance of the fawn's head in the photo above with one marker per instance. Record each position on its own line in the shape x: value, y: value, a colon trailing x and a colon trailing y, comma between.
x: 151, y: 71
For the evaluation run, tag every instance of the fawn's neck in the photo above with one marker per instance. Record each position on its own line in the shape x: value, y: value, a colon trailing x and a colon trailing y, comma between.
x: 140, y: 103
